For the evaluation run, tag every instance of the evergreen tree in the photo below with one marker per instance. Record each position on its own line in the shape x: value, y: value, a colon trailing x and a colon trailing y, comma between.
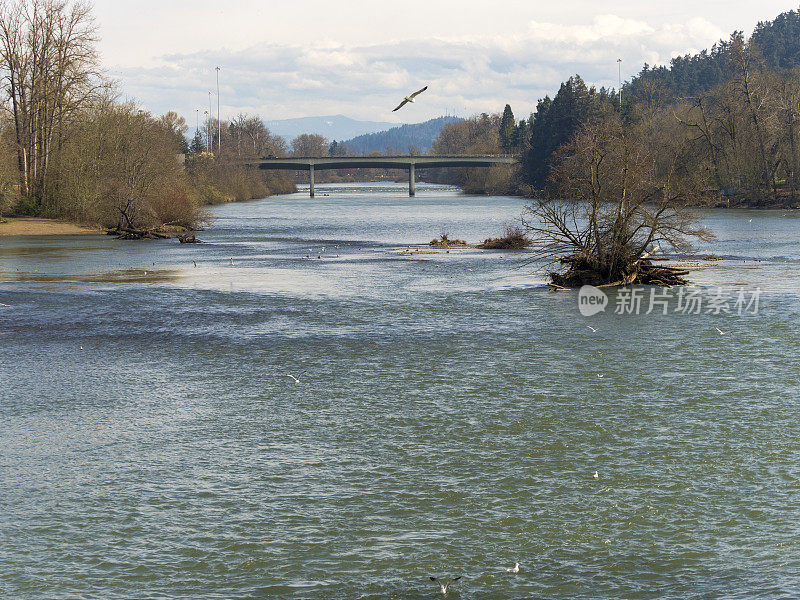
x: 197, y: 146
x: 507, y: 130
x: 556, y: 121
x: 522, y: 135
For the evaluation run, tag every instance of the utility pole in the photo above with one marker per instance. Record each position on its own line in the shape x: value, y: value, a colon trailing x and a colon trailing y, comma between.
x: 219, y: 119
x: 619, y: 64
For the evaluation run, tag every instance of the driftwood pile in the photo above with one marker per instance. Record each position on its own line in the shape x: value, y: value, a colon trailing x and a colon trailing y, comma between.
x: 130, y: 233
x: 581, y: 271
x: 152, y: 233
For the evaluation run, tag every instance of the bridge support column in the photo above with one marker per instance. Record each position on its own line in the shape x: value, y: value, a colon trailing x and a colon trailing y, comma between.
x: 412, y: 184
x: 311, y: 180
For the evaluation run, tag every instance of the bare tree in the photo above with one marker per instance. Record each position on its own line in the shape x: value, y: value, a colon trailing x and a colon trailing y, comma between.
x: 616, y: 192
x: 49, y: 64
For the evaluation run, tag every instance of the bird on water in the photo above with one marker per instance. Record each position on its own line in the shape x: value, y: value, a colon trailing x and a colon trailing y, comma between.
x: 443, y: 586
x: 514, y: 569
x: 410, y: 98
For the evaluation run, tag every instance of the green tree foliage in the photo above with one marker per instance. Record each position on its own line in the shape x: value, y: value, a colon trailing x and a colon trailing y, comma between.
x: 779, y: 40
x: 508, y: 130
x: 691, y: 75
x: 197, y: 145
x: 556, y: 121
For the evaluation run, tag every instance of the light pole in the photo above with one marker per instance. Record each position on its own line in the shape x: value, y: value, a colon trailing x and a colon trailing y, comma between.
x: 219, y: 119
x: 619, y: 64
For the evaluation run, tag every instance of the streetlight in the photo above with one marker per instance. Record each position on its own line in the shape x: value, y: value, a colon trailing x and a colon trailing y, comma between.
x: 219, y: 119
x: 619, y: 64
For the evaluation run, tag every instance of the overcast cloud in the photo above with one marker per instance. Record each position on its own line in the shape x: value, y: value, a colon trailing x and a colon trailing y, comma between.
x: 278, y: 66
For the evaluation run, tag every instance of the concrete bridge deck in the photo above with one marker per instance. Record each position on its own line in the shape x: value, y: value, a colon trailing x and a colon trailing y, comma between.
x: 313, y: 163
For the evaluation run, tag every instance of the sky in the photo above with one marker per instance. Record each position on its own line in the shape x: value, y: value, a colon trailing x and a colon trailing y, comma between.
x: 281, y: 59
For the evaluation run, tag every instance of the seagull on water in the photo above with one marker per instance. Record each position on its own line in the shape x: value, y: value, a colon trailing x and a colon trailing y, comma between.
x: 410, y: 98
x: 596, y: 475
x: 443, y: 586
x: 1, y: 304
x: 514, y: 569
x: 296, y: 380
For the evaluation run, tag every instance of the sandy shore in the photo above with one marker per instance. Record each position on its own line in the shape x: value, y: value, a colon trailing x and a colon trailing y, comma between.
x: 35, y: 226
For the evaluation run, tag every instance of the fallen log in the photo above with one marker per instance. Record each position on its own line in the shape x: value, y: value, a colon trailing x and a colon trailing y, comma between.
x: 129, y: 233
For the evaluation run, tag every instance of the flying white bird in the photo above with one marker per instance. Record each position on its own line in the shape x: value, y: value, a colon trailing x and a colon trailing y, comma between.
x: 592, y: 328
x: 410, y: 98
x: 443, y: 586
x: 514, y: 569
x: 600, y: 375
x: 296, y: 380
x: 720, y: 330
x: 1, y: 304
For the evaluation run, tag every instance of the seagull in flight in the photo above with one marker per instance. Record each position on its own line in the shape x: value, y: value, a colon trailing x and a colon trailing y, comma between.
x: 296, y: 380
x: 720, y: 330
x: 514, y: 569
x: 410, y: 98
x: 592, y: 328
x: 444, y: 586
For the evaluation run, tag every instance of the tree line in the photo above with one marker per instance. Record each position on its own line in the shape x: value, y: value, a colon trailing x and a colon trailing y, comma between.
x: 734, y: 110
x: 71, y: 148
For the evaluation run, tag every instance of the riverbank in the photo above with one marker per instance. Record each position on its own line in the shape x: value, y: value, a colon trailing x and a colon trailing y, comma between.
x: 37, y: 226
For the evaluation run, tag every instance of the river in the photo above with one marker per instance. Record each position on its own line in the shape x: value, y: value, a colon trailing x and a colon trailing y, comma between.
x: 450, y: 415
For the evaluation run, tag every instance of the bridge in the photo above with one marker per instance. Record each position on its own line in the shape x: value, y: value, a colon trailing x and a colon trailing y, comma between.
x: 311, y: 164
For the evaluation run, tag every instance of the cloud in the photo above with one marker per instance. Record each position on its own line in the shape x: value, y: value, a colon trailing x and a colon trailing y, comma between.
x: 465, y: 75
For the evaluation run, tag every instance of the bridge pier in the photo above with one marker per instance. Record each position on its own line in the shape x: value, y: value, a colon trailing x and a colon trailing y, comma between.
x: 311, y: 179
x: 412, y: 184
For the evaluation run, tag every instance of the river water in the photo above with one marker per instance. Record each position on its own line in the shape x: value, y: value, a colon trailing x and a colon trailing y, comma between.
x: 449, y: 418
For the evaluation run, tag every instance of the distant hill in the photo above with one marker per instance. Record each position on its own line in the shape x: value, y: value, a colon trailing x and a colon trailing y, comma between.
x: 336, y: 127
x: 399, y: 139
